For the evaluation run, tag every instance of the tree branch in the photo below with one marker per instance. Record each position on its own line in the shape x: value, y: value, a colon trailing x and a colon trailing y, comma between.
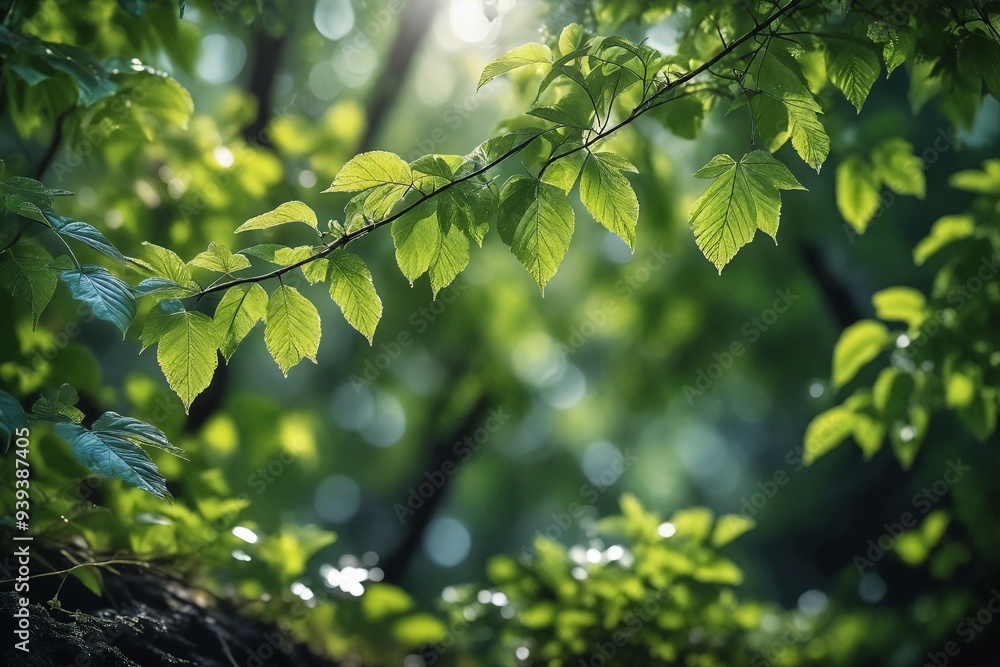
x: 638, y: 111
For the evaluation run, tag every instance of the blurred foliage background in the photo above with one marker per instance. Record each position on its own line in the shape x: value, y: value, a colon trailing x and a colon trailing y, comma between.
x: 353, y: 488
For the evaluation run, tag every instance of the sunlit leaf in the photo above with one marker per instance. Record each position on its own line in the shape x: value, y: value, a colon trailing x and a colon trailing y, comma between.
x: 853, y: 67
x: 239, y: 310
x: 527, y: 54
x: 370, y: 170
x: 293, y: 211
x: 352, y: 289
x: 220, y: 259
x: 609, y: 197
x: 827, y: 430
x: 857, y: 192
x: 291, y: 328
x: 743, y: 198
x: 858, y: 345
x: 536, y: 221
x: 187, y: 353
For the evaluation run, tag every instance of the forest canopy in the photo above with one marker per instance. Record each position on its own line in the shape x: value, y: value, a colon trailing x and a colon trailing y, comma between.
x: 592, y: 416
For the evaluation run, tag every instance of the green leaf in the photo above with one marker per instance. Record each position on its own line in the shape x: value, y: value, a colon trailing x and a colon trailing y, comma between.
x: 187, y: 353
x: 985, y: 181
x: 536, y: 222
x: 370, y: 170
x: 113, y: 457
x: 316, y: 271
x: 743, y: 198
x: 220, y: 259
x: 683, y: 116
x: 827, y: 430
x: 573, y: 110
x: 25, y: 272
x: 527, y: 54
x: 564, y: 172
x: 374, y: 204
x: 493, y: 149
x: 382, y: 601
x: 239, y: 310
x: 853, y: 67
x: 12, y: 415
x: 571, y: 38
x: 291, y: 328
x: 84, y: 233
x: 165, y: 288
x: 108, y: 297
x: 898, y: 45
x: 352, y: 289
x: 165, y: 263
x: 786, y: 108
x: 451, y: 257
x: 609, y: 197
x: 292, y: 211
x: 418, y: 630
x: 945, y: 231
x: 91, y: 578
x: 901, y: 304
x: 858, y: 345
x: 468, y: 206
x: 809, y: 138
x: 133, y: 430
x: 869, y: 433
x: 906, y: 440
x: 980, y: 415
x: 61, y: 409
x: 914, y: 546
x: 416, y: 239
x: 897, y: 167
x: 891, y: 394
x: 728, y: 527
x: 857, y: 192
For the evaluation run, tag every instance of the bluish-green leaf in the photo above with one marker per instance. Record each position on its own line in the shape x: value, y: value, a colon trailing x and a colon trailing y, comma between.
x: 108, y: 297
x: 135, y: 430
x: 84, y: 233
x: 114, y: 457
